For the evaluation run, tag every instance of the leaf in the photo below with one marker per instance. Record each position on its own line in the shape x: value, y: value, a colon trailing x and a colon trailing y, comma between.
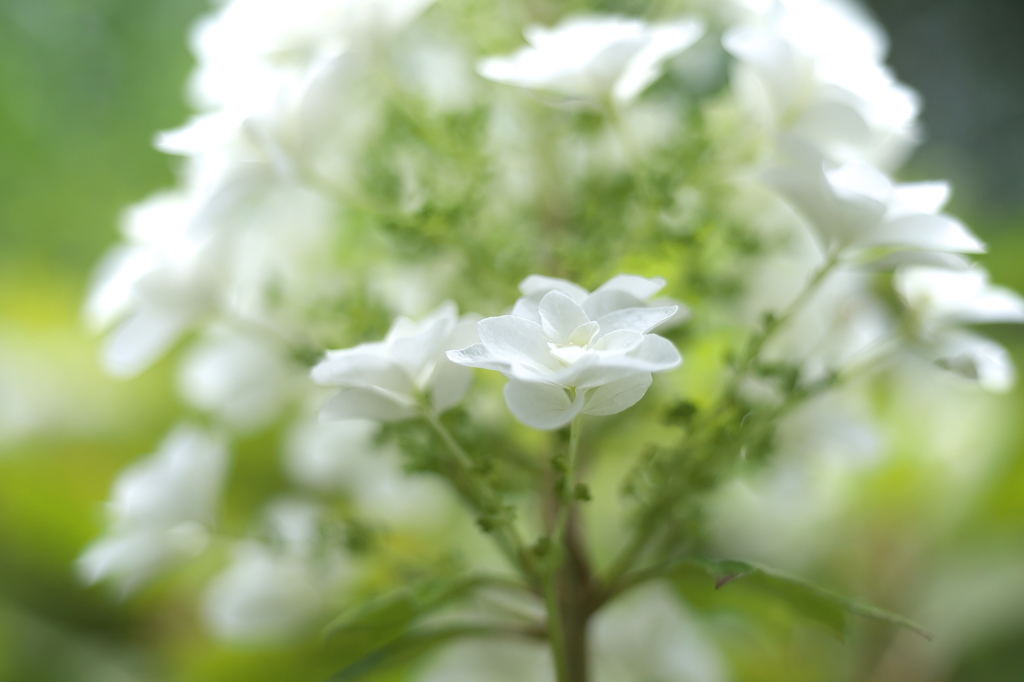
x: 397, y: 652
x: 367, y: 631
x: 753, y: 580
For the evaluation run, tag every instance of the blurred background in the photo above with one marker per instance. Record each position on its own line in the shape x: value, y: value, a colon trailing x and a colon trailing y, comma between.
x: 84, y: 84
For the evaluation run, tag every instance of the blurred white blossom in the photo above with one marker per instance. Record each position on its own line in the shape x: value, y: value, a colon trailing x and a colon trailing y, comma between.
x: 277, y: 591
x: 156, y: 286
x: 938, y: 301
x: 814, y: 70
x: 594, y: 57
x: 242, y: 378
x: 342, y: 456
x: 160, y: 509
x: 855, y: 206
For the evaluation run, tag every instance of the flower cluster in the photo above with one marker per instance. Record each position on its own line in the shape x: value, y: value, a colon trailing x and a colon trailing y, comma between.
x: 353, y: 163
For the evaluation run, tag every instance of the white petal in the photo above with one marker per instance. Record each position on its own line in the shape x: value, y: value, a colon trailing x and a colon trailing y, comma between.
x: 593, y: 371
x: 920, y: 197
x: 414, y: 346
x: 142, y: 339
x: 616, y: 396
x: 621, y: 340
x: 668, y: 40
x: 539, y: 284
x: 657, y: 353
x: 368, y: 403
x: 541, y: 406
x: 368, y: 364
x: 861, y: 180
x: 516, y: 341
x: 560, y: 316
x: 600, y: 303
x: 640, y: 320
x: 996, y: 304
x: 449, y: 384
x: 978, y: 359
x: 828, y: 123
x: 923, y: 231
x: 478, y: 356
x: 641, y: 287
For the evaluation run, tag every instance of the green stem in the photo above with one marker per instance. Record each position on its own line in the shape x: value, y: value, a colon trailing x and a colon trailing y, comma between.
x: 556, y: 627
x: 776, y: 322
x: 566, y: 493
x: 506, y: 535
x: 559, y: 554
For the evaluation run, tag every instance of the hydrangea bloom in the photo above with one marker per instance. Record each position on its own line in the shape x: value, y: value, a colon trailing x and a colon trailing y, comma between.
x: 815, y: 70
x: 159, y: 509
x: 567, y: 351
x: 939, y: 300
x: 858, y: 206
x: 275, y: 593
x: 385, y: 379
x: 594, y: 56
x: 244, y: 379
x: 155, y: 287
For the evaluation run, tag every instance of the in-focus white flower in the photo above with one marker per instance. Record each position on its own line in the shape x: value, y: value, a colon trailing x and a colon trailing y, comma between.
x: 568, y: 351
x: 594, y: 56
x: 244, y: 379
x: 858, y: 206
x: 939, y: 300
x: 385, y: 379
x: 160, y: 509
x: 277, y: 591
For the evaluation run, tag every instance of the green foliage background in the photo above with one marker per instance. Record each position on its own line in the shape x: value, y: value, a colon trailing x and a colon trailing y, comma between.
x: 83, y: 86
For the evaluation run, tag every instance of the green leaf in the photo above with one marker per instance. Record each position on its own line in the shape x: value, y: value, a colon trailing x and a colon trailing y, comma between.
x: 397, y: 652
x: 366, y: 633
x: 739, y: 580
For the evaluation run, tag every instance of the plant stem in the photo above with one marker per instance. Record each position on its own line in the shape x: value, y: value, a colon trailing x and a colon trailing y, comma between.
x: 776, y: 322
x: 565, y: 497
x: 561, y: 588
x: 479, y: 496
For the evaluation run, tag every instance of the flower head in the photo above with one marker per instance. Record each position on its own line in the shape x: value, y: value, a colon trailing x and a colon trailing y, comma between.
x: 386, y: 379
x: 594, y: 56
x: 856, y: 206
x: 567, y: 351
x: 938, y: 300
x: 159, y: 508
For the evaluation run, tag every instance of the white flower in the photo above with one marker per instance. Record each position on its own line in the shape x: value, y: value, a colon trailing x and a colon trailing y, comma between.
x: 244, y: 379
x: 275, y: 592
x: 594, y: 56
x: 938, y: 300
x: 858, y: 206
x: 247, y: 40
x: 568, y: 351
x: 159, y: 510
x: 156, y: 286
x: 263, y: 597
x: 342, y: 456
x: 814, y: 70
x: 385, y: 379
